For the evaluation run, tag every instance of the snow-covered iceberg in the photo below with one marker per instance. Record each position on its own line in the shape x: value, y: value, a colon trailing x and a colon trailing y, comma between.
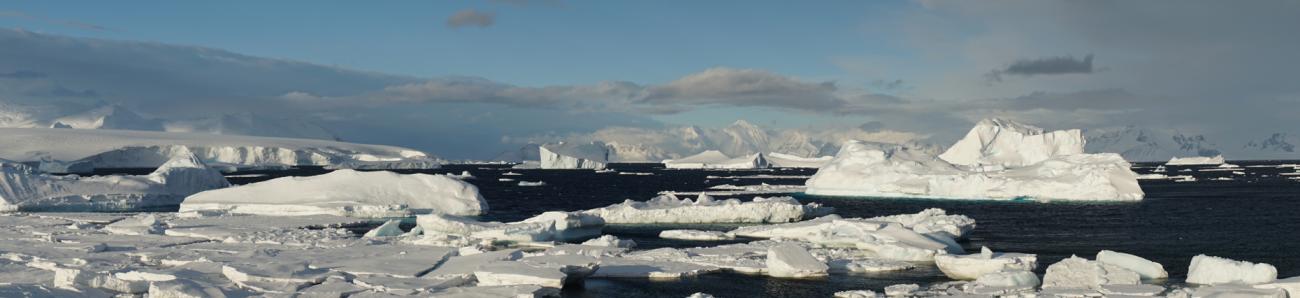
x: 1195, y: 160
x: 782, y: 160
x: 592, y: 155
x: 107, y: 148
x: 668, y: 208
x: 714, y: 159
x: 1013, y: 161
x: 21, y: 188
x: 346, y: 193
x: 548, y: 226
x: 882, y: 239
x: 1209, y: 270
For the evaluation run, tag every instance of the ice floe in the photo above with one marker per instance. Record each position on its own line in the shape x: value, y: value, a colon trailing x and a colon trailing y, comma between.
x: 592, y: 155
x: 998, y: 159
x: 668, y: 208
x: 1211, y: 270
x: 345, y: 193
x: 1195, y: 160
x: 974, y: 266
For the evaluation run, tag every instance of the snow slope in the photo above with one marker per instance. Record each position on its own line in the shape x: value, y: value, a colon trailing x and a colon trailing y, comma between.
x: 105, y: 148
x: 22, y: 189
x: 346, y: 193
x: 1046, y: 166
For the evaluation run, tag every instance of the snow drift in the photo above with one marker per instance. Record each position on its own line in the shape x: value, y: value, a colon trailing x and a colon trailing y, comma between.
x: 346, y: 193
x: 998, y: 159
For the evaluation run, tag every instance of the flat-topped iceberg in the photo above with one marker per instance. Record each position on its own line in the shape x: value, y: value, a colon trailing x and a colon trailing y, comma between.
x: 782, y: 160
x: 106, y: 148
x: 1209, y: 270
x: 882, y: 239
x: 668, y: 208
x: 346, y: 193
x: 714, y: 159
x: 1015, y: 161
x: 563, y: 155
x: 1195, y: 160
x: 22, y: 189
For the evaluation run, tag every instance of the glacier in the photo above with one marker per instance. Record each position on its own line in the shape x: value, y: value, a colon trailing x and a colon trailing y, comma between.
x: 345, y: 193
x: 714, y: 159
x: 22, y: 189
x: 107, y: 148
x: 593, y: 155
x: 990, y: 163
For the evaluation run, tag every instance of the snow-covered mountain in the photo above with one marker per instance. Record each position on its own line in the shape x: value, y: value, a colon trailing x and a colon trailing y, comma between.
x: 249, y: 124
x: 110, y: 116
x: 632, y: 144
x: 1143, y: 144
x: 1279, y: 145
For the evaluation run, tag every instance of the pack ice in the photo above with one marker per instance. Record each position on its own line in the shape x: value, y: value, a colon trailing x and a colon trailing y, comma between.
x: 714, y: 159
x: 23, y: 189
x: 565, y: 155
x: 345, y: 193
x: 998, y: 159
x: 668, y: 208
x: 106, y: 148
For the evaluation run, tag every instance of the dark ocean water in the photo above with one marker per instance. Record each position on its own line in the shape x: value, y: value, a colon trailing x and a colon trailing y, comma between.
x: 1254, y: 217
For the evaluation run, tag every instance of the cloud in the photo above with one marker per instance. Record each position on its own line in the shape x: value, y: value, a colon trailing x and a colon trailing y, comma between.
x: 69, y: 23
x: 744, y: 87
x: 21, y: 74
x: 471, y: 17
x: 1045, y: 66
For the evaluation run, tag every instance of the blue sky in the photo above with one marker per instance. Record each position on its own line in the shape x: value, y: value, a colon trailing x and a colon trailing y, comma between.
x: 533, y: 67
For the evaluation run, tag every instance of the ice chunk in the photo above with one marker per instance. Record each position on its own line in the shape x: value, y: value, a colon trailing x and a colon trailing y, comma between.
x: 1208, y: 270
x: 346, y: 193
x: 498, y: 291
x: 465, y: 265
x: 1004, y: 282
x: 563, y: 155
x: 1291, y: 285
x: 518, y: 273
x: 136, y: 225
x: 1147, y: 269
x: 548, y: 226
x: 901, y: 289
x: 616, y: 267
x: 791, y: 260
x: 669, y: 209
x: 1080, y: 273
x: 856, y: 294
x: 388, y: 229
x: 610, y: 241
x: 1236, y: 290
x: 714, y: 159
x: 887, y: 240
x: 696, y: 235
x: 933, y: 220
x: 21, y: 189
x: 1195, y: 160
x: 782, y: 160
x: 275, y: 276
x: 700, y: 295
x: 530, y: 183
x: 1132, y: 290
x: 973, y: 266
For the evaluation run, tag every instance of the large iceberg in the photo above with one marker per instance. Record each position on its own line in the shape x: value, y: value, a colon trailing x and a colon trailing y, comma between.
x: 21, y: 188
x: 1196, y: 160
x: 1012, y: 161
x: 592, y: 155
x: 782, y: 160
x: 346, y: 193
x: 106, y: 148
x: 714, y: 159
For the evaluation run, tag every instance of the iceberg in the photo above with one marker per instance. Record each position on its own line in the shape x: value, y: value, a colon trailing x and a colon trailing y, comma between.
x: 107, y: 148
x: 1014, y: 163
x: 1195, y: 160
x: 345, y: 193
x: 714, y: 159
x: 548, y: 226
x: 563, y: 155
x: 22, y: 189
x: 782, y: 160
x: 882, y: 239
x: 1209, y: 270
x: 1147, y: 269
x: 1080, y: 273
x: 668, y: 208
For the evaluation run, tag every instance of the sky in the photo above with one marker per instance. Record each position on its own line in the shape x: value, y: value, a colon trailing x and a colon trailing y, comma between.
x: 456, y: 77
